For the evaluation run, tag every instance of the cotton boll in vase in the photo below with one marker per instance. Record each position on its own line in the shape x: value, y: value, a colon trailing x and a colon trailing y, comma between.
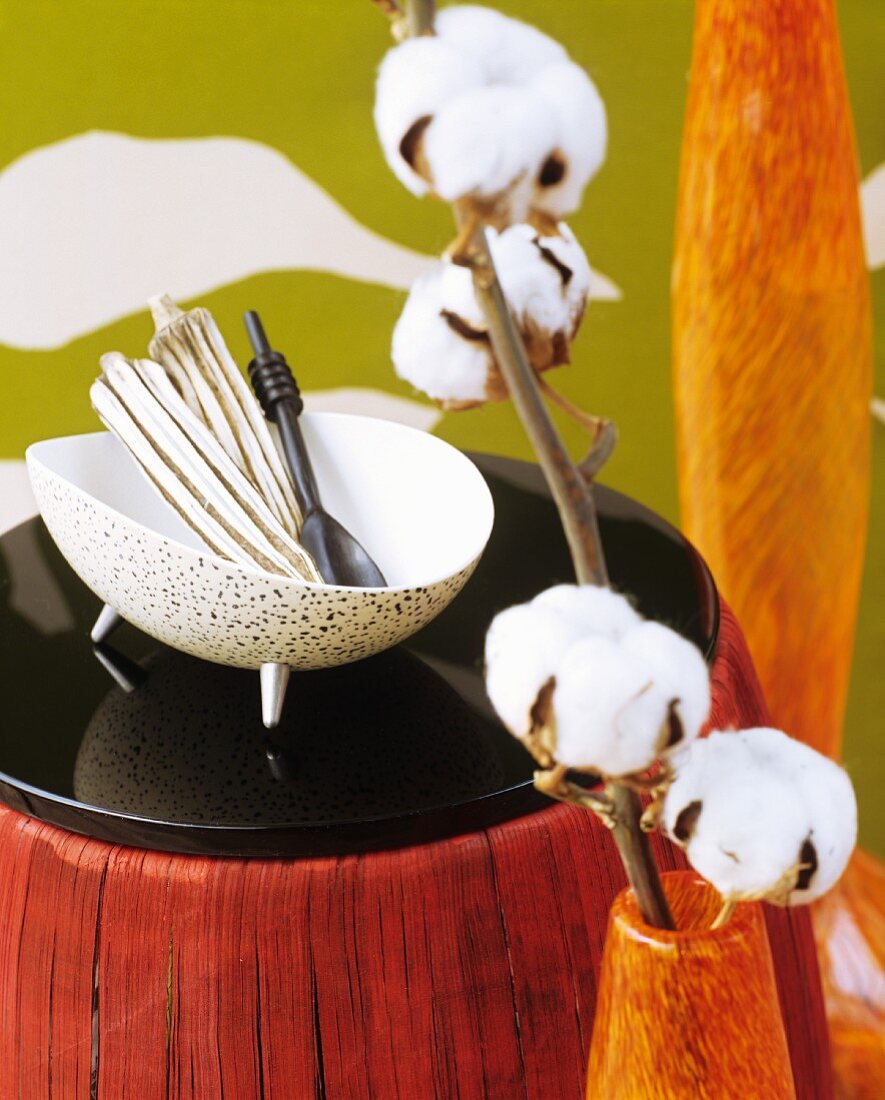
x: 761, y: 815
x: 588, y: 685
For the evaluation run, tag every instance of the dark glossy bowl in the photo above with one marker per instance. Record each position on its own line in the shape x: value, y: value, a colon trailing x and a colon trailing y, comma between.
x: 394, y: 750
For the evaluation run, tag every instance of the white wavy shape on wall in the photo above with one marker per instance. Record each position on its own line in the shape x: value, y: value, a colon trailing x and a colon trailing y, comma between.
x: 93, y: 225
x: 872, y: 206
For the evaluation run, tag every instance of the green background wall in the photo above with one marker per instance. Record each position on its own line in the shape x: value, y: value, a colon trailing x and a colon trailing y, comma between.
x: 298, y: 76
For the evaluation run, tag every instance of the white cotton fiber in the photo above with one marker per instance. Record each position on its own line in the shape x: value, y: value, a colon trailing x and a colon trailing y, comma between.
x: 546, y: 281
x: 567, y: 250
x: 608, y: 714
x: 533, y: 286
x: 431, y: 355
x: 523, y: 645
x: 751, y: 807
x: 742, y: 830
x: 488, y: 144
x: 510, y: 52
x: 581, y: 135
x: 590, y: 609
x: 828, y: 796
x: 679, y: 671
x: 544, y: 296
x: 415, y: 80
x: 458, y: 296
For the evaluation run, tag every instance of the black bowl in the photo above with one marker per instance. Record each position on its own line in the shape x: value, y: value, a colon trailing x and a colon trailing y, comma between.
x: 394, y: 750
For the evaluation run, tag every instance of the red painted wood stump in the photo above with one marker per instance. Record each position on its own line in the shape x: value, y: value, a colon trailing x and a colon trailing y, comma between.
x: 456, y: 956
x: 463, y: 968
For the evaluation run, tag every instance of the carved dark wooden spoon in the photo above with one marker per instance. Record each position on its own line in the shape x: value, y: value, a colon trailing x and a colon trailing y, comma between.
x: 338, y: 556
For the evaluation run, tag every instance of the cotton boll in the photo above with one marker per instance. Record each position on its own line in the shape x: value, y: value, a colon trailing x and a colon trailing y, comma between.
x: 679, y: 672
x: 518, y: 249
x: 701, y: 765
x: 487, y: 146
x: 592, y: 609
x: 492, y: 111
x: 546, y: 281
x: 510, y: 52
x: 532, y: 284
x: 608, y: 714
x: 546, y: 296
x: 567, y: 251
x: 698, y: 762
x: 459, y: 297
x: 523, y: 645
x: 772, y: 801
x: 828, y: 796
x: 415, y: 79
x: 581, y: 135
x: 453, y: 369
x: 741, y: 828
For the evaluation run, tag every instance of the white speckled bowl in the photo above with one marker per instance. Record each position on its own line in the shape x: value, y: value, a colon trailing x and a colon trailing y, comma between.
x: 421, y: 509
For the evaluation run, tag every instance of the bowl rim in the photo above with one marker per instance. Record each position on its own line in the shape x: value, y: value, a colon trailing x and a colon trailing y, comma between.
x: 32, y: 458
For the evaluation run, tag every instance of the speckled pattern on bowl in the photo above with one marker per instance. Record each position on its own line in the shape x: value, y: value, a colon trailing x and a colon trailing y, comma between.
x: 421, y: 509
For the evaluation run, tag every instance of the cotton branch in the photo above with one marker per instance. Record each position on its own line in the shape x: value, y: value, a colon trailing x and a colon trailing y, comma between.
x: 571, y: 488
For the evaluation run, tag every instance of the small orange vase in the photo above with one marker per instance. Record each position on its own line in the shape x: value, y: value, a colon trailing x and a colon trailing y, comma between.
x: 688, y: 1014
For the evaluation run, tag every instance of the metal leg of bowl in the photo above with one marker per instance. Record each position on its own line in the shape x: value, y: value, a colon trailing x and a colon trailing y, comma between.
x: 107, y: 622
x: 274, y: 680
x: 127, y: 673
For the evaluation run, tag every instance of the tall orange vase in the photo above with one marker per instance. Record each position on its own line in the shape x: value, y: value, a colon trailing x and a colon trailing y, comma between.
x: 692, y: 1013
x: 773, y: 378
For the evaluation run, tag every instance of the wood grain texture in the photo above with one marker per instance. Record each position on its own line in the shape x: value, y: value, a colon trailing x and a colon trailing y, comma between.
x: 692, y: 1013
x: 460, y: 970
x: 772, y: 346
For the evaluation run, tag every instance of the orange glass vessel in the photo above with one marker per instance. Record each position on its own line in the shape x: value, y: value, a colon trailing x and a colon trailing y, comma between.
x: 692, y: 1013
x: 772, y: 346
x: 773, y: 378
